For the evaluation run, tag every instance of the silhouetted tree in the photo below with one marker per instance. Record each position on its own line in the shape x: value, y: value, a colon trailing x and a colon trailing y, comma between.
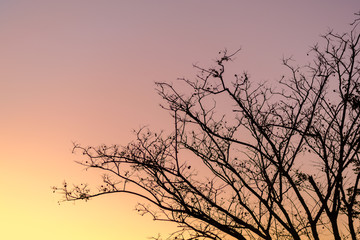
x: 246, y: 160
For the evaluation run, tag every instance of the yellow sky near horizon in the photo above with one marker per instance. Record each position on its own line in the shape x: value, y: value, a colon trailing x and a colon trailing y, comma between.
x: 84, y: 71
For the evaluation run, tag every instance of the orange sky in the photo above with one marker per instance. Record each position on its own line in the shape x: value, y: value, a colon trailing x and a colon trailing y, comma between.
x: 84, y: 71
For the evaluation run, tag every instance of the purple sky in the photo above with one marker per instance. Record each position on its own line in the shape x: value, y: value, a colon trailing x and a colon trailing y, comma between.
x: 84, y: 71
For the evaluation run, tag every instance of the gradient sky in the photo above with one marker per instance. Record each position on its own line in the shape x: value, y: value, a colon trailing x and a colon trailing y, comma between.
x: 84, y: 71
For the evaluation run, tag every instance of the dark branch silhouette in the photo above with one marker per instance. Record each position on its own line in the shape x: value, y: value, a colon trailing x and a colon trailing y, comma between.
x: 246, y: 160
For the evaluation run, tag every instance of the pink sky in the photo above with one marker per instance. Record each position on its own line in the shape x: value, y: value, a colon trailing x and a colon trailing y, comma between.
x: 84, y: 71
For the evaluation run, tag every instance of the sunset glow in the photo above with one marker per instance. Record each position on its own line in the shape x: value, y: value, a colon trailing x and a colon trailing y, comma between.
x: 84, y: 72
